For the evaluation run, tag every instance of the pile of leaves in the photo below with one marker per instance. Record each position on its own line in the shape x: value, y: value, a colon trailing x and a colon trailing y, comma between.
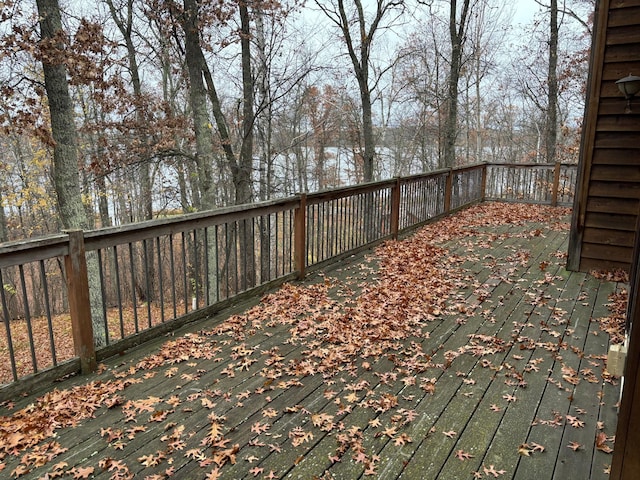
x: 238, y: 399
x: 615, y: 324
x: 412, y: 288
x: 33, y: 428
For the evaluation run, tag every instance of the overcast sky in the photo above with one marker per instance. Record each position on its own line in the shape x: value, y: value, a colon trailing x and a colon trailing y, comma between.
x: 524, y: 10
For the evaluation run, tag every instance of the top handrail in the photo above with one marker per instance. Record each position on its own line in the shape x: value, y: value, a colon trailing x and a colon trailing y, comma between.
x: 110, y: 236
x: 28, y: 250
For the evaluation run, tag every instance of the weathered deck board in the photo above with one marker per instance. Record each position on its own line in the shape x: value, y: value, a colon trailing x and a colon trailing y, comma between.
x: 445, y: 404
x: 584, y: 400
x: 550, y: 399
x: 443, y: 400
x: 498, y: 428
x: 474, y: 440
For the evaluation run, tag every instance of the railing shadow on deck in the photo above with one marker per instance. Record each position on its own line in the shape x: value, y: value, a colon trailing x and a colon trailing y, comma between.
x: 155, y: 276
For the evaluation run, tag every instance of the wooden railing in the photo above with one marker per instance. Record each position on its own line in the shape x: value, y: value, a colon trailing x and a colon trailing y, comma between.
x: 532, y: 183
x: 158, y: 275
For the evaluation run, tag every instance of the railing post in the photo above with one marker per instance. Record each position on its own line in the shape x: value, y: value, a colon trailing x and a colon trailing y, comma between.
x: 447, y: 191
x: 556, y: 185
x: 75, y: 264
x: 395, y: 209
x: 300, y: 236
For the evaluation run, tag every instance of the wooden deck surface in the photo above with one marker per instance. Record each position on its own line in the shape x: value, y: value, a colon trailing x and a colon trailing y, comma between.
x: 465, y: 351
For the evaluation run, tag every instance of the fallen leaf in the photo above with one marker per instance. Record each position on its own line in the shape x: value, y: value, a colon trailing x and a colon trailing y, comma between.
x: 389, y: 432
x: 269, y: 413
x: 260, y: 427
x: 525, y: 450
x: 601, y: 443
x: 492, y: 471
x: 352, y: 397
x: 81, y: 472
x: 375, y: 422
x: 575, y: 422
x: 214, y: 474
x: 255, y: 471
x: 402, y: 439
x: 574, y: 446
x: 537, y: 447
x: 462, y: 455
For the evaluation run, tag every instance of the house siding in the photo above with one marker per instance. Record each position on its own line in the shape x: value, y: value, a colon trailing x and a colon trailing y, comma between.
x: 608, y: 199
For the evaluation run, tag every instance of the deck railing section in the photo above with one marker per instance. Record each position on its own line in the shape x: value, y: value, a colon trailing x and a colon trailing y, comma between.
x: 422, y: 198
x: 32, y: 288
x: 531, y: 183
x: 343, y: 220
x: 467, y: 186
x: 156, y: 275
x: 166, y: 268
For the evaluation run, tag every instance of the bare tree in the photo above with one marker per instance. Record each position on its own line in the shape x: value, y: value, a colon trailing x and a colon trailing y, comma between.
x: 487, y: 34
x: 358, y: 34
x: 242, y: 169
x: 551, y: 125
x: 65, y: 148
x: 198, y: 102
x: 555, y: 69
x: 457, y: 37
x: 123, y: 18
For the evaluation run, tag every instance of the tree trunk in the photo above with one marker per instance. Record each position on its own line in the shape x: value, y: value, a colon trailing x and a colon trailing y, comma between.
x: 467, y: 121
x: 4, y: 231
x: 126, y: 27
x: 300, y: 158
x: 242, y: 176
x: 264, y: 120
x: 479, y: 129
x: 361, y: 69
x: 367, y: 132
x: 264, y: 131
x: 182, y: 185
x: 124, y: 22
x: 551, y: 133
x: 103, y: 201
x: 198, y: 103
x: 65, y: 155
x: 457, y: 32
x: 202, y: 130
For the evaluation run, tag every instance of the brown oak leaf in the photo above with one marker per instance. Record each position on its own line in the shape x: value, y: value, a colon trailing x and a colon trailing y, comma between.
x: 575, y: 446
x: 462, y: 455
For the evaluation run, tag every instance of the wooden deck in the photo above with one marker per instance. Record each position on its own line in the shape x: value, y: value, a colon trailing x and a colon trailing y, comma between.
x: 465, y: 351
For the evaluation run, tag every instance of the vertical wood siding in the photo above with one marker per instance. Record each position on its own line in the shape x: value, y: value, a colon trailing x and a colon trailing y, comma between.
x: 608, y: 201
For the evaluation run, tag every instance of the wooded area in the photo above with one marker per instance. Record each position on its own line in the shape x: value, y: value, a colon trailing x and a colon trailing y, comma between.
x: 118, y: 111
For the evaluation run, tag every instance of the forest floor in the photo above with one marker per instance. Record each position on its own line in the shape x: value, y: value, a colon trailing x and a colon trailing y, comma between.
x: 463, y: 351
